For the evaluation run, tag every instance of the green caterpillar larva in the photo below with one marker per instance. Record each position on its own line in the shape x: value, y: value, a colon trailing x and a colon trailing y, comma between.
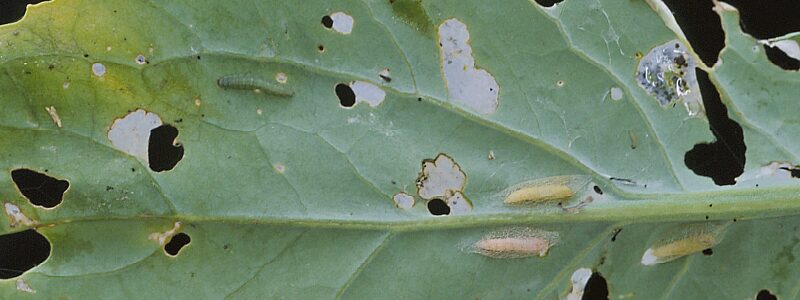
x: 256, y: 84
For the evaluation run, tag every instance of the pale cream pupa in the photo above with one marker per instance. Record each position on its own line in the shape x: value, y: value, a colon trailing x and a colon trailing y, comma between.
x: 516, y: 242
x: 545, y: 189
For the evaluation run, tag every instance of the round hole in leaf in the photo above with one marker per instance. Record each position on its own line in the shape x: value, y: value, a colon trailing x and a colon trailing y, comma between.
x: 327, y: 21
x: 438, y: 207
x: 21, y: 251
x: 347, y: 98
x: 177, y: 243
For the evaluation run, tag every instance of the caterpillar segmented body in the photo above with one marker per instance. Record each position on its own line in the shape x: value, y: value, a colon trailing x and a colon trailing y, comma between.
x: 252, y: 83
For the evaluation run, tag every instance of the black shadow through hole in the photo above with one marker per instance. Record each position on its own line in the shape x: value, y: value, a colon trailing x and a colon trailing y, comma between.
x: 702, y: 26
x: 177, y: 243
x: 21, y: 251
x: 781, y: 59
x: 347, y: 97
x: 765, y: 295
x: 548, y: 3
x: 163, y: 151
x: 13, y: 10
x: 722, y: 160
x: 40, y: 189
x: 765, y: 19
x: 438, y: 207
x: 327, y: 21
x: 596, y: 288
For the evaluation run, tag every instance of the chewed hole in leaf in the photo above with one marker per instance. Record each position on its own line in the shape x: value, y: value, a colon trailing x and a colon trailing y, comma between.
x: 13, y: 11
x: 667, y: 73
x: 781, y: 59
x: 163, y: 151
x: 177, y: 243
x: 723, y: 160
x: 347, y: 98
x: 440, y: 177
x: 385, y: 75
x: 596, y: 288
x: 339, y: 22
x: 327, y: 21
x: 466, y: 83
x: 438, y: 207
x: 21, y: 251
x: 765, y: 295
x: 708, y: 252
x: 548, y: 3
x: 403, y: 200
x: 40, y: 189
x: 702, y: 27
x: 768, y: 19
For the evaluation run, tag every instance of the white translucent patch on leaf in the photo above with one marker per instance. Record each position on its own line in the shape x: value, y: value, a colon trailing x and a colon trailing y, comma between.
x: 440, y: 178
x: 98, y: 69
x: 385, y: 75
x: 403, y: 200
x: 491, y: 155
x: 789, y: 47
x: 23, y: 286
x: 683, y: 240
x: 342, y: 22
x: 16, y: 217
x: 162, y: 238
x: 775, y: 170
x: 466, y: 84
x: 667, y: 73
x: 458, y: 204
x: 280, y: 168
x: 140, y: 59
x: 281, y: 77
x: 579, y: 279
x: 131, y: 134
x: 51, y: 110
x: 785, y: 43
x: 368, y: 93
x: 515, y: 242
x: 554, y: 188
x: 616, y: 93
x: 65, y: 85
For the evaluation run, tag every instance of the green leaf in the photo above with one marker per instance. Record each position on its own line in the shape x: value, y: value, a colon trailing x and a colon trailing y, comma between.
x: 285, y: 193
